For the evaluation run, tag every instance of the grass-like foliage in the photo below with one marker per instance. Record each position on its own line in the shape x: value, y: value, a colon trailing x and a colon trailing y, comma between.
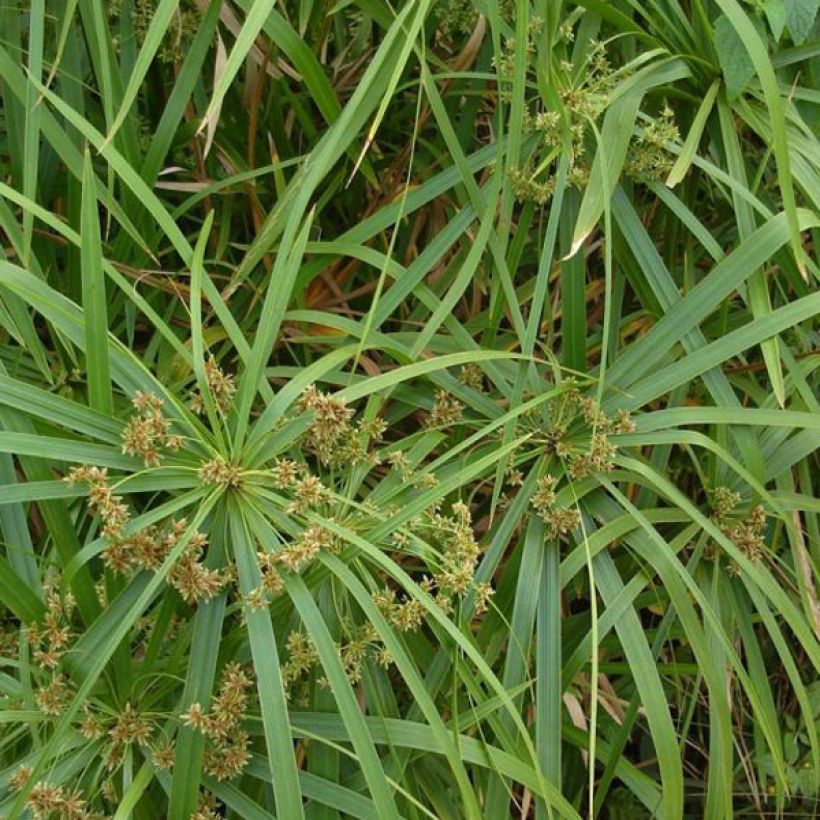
x: 408, y: 409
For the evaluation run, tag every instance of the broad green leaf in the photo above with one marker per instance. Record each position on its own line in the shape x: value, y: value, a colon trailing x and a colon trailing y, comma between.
x: 800, y: 17
x: 734, y: 59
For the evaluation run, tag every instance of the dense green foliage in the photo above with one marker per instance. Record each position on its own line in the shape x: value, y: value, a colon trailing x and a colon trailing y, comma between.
x: 409, y: 409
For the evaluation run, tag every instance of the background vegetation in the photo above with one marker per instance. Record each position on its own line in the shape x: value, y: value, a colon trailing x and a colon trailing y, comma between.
x: 409, y: 409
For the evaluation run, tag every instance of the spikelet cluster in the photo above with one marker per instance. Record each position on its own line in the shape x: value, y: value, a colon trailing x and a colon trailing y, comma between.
x: 421, y: 480
x: 54, y: 697
x: 747, y: 534
x: 307, y: 492
x: 9, y: 640
x: 745, y: 531
x: 206, y: 808
x: 453, y: 574
x: 102, y: 500
x: 189, y: 575
x: 459, y: 549
x: 49, y: 638
x: 220, y: 472
x: 649, y: 157
x: 724, y: 502
x: 405, y: 615
x: 128, y: 728
x: 226, y: 754
x: 306, y: 546
x: 162, y: 755
x: 560, y: 521
x: 472, y: 375
x: 360, y: 643
x: 456, y: 17
x: 583, y: 103
x: 221, y: 386
x: 148, y: 432
x: 332, y: 436
x: 446, y: 411
x: 293, y: 557
x: 148, y: 548
x: 528, y: 188
x: 579, y: 433
x: 47, y: 801
x: 301, y: 657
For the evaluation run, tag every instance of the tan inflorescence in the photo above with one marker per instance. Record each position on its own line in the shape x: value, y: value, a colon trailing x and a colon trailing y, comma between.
x: 332, y: 436
x: 745, y: 531
x: 582, y: 104
x: 220, y: 472
x: 446, y: 411
x: 226, y: 754
x: 149, y: 547
x: 148, y: 432
x: 579, y: 436
x: 221, y: 386
x: 49, y: 638
x: 46, y: 800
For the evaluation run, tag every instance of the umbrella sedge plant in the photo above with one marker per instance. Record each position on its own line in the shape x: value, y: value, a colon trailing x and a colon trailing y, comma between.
x: 408, y: 410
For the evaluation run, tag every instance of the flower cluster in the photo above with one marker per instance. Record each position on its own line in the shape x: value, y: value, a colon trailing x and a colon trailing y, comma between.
x: 446, y: 411
x: 91, y: 728
x: 472, y: 375
x: 747, y: 535
x: 162, y: 755
x: 147, y: 548
x: 747, y: 531
x: 47, y: 800
x: 221, y: 386
x: 293, y: 557
x: 400, y: 462
x: 456, y: 17
x: 459, y: 549
x: 724, y: 502
x: 543, y: 499
x: 227, y: 753
x: 453, y: 536
x: 102, y: 500
x: 360, y: 643
x: 332, y: 437
x: 53, y: 698
x: 649, y: 157
x: 528, y: 189
x: 560, y: 521
x: 505, y: 63
x: 583, y: 103
x: 191, y: 578
x: 456, y: 558
x: 302, y: 657
x: 579, y: 433
x: 356, y: 649
x: 285, y: 472
x: 307, y: 491
x: 220, y: 472
x: 148, y: 432
x: 306, y: 546
x: 128, y: 728
x: 206, y: 808
x: 405, y: 615
x: 49, y: 639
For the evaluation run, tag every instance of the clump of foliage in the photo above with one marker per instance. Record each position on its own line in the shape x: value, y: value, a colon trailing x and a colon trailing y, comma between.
x: 409, y: 410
